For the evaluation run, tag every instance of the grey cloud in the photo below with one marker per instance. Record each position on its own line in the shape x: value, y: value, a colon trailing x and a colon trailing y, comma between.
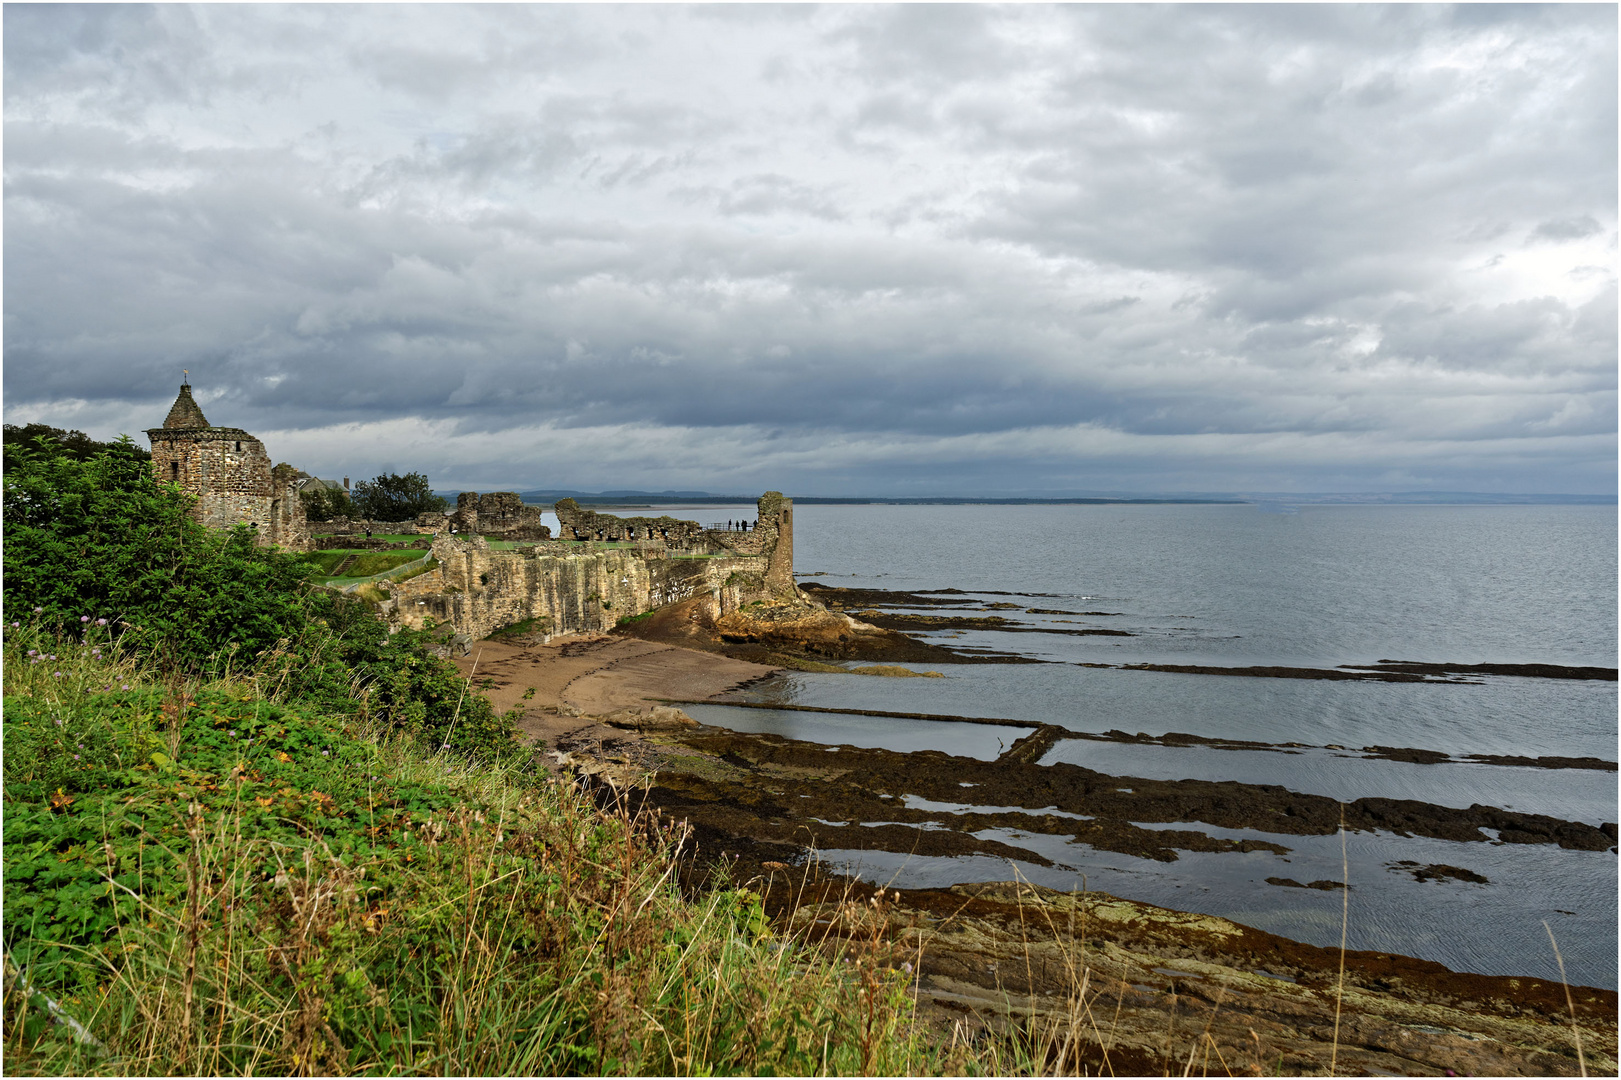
x: 943, y: 245
x: 766, y: 193
x: 1576, y: 228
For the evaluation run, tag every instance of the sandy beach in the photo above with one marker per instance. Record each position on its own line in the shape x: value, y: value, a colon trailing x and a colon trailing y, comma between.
x: 596, y: 675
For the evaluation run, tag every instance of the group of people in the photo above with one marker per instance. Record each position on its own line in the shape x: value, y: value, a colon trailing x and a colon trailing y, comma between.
x: 733, y: 526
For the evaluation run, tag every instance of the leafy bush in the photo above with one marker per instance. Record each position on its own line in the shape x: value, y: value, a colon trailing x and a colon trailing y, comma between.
x: 101, y: 538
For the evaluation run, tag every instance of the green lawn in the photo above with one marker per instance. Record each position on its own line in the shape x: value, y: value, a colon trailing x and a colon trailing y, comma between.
x: 365, y: 564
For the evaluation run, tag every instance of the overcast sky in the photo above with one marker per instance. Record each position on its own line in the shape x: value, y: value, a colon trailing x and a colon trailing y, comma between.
x: 847, y: 250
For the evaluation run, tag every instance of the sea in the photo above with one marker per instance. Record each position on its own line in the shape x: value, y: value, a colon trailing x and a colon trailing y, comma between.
x: 1240, y: 585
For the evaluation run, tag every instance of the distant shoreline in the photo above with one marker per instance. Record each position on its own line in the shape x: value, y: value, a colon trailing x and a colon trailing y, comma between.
x: 1262, y: 499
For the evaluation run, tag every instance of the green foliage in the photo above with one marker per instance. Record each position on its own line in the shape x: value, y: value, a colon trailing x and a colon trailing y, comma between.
x: 98, y: 795
x: 76, y: 444
x: 392, y: 497
x: 100, y: 538
x: 537, y: 624
x: 220, y: 884
x: 324, y: 503
x: 97, y: 540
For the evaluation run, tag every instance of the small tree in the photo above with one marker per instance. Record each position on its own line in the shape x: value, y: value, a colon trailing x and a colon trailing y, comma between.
x: 324, y: 503
x: 392, y: 497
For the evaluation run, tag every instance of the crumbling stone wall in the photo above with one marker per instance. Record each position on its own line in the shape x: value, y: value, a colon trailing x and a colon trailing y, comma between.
x: 229, y: 474
x: 771, y: 538
x: 577, y: 523
x: 479, y: 590
x: 498, y: 513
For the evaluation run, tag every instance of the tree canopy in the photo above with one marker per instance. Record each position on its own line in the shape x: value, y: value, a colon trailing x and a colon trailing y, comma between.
x: 75, y: 443
x: 324, y: 504
x: 392, y: 497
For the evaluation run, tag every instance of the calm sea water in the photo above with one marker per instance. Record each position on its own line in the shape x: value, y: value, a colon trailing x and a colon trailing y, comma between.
x: 1233, y: 586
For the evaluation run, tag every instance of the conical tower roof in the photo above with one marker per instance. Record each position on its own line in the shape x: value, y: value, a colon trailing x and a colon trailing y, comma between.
x: 186, y: 413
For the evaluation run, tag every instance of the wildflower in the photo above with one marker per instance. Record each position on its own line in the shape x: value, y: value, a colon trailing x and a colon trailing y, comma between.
x: 58, y: 721
x: 84, y: 618
x: 58, y: 674
x: 75, y: 757
x: 53, y: 656
x: 906, y: 966
x: 125, y: 687
x: 15, y: 625
x: 33, y: 652
x: 233, y: 733
x: 39, y: 611
x: 101, y: 622
x: 323, y: 753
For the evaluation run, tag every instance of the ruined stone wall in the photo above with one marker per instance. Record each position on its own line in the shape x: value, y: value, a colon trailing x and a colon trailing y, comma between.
x: 480, y: 590
x: 356, y: 527
x: 289, y: 526
x: 580, y: 524
x: 498, y: 513
x: 772, y: 538
x: 229, y: 474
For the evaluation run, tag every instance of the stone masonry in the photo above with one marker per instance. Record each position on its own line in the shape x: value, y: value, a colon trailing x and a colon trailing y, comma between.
x: 228, y: 472
x: 501, y: 514
x: 575, y: 587
x: 578, y: 523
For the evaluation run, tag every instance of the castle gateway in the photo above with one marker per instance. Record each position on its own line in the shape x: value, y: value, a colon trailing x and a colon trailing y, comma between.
x: 228, y: 472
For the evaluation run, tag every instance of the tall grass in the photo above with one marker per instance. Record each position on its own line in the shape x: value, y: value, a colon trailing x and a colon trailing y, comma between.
x: 445, y: 916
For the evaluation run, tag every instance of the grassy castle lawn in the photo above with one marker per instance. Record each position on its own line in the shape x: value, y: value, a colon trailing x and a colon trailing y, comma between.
x: 202, y: 878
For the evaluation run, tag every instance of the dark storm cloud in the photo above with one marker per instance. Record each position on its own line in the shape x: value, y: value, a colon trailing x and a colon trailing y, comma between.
x: 901, y: 248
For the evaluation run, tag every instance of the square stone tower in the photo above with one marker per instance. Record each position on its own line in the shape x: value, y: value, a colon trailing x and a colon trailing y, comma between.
x: 229, y: 474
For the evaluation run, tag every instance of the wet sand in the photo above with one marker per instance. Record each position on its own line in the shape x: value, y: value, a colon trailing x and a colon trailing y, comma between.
x: 596, y: 675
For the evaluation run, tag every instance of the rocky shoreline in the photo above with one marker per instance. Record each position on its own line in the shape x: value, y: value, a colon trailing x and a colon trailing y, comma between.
x: 1149, y: 989
x: 1146, y: 985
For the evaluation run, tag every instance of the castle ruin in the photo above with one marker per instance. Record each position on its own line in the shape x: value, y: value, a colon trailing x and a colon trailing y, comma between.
x: 605, y: 569
x: 229, y: 474
x: 602, y: 570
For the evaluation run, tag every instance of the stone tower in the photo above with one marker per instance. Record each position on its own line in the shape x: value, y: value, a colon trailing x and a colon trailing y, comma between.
x: 229, y: 473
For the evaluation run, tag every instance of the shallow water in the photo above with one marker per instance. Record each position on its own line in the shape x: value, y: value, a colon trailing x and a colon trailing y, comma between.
x: 1390, y: 911
x: 1532, y: 717
x: 1231, y: 586
x: 870, y: 732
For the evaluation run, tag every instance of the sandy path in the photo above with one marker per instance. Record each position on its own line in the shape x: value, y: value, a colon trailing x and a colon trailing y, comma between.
x: 596, y: 675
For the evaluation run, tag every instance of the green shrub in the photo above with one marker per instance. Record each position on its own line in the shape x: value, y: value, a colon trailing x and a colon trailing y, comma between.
x: 100, y: 538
